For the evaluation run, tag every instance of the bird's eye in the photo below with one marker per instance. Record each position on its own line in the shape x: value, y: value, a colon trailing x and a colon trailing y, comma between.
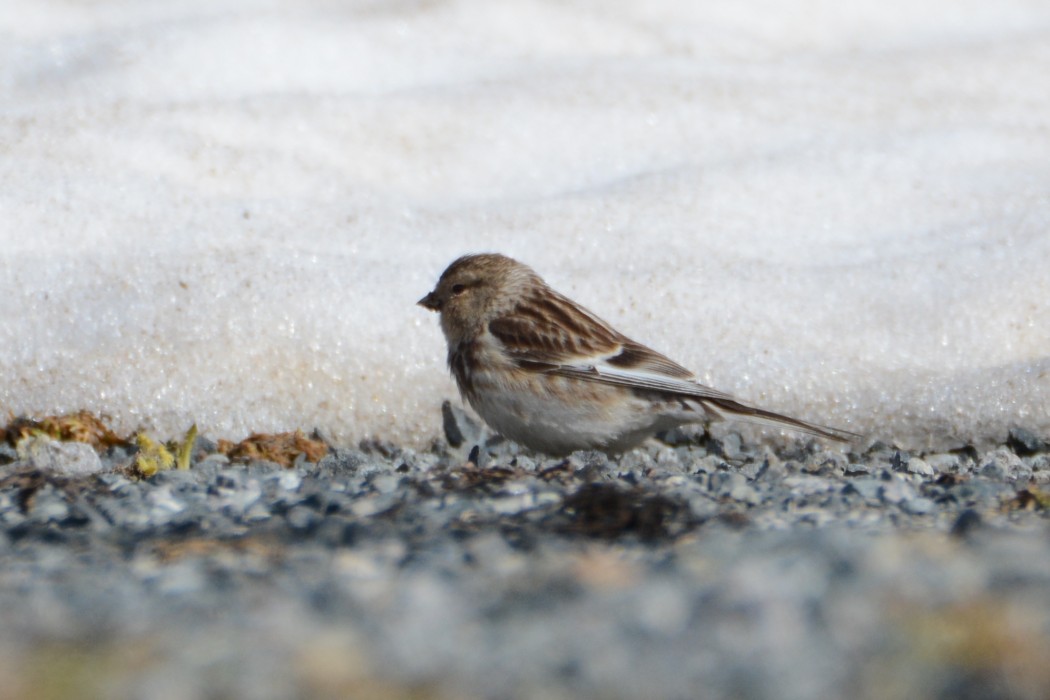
x: 458, y: 289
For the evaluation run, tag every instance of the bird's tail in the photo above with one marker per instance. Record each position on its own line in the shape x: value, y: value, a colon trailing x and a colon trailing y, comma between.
x: 730, y: 409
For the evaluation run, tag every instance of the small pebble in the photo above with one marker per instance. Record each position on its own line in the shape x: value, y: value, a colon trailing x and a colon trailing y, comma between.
x: 918, y: 506
x: 385, y: 483
x: 72, y: 458
x: 920, y: 467
x: 942, y: 463
x: 1024, y: 442
x: 49, y: 506
x: 896, y: 491
x: 867, y: 488
x: 967, y: 523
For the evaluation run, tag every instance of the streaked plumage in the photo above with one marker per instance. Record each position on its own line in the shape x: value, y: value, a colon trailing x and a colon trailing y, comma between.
x: 545, y: 372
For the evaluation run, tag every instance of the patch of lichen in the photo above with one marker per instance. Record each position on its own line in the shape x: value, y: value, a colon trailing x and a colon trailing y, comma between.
x: 152, y: 456
x: 81, y: 426
x: 282, y: 448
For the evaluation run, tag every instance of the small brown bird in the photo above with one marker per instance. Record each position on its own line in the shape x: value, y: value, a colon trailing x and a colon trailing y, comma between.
x: 545, y: 372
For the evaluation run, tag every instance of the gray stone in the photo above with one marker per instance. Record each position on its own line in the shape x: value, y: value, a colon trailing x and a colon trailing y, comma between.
x: 524, y: 462
x: 257, y: 512
x: 993, y: 470
x: 733, y: 485
x: 682, y: 436
x: 979, y: 491
x: 896, y: 490
x: 165, y: 502
x: 1002, y: 464
x: 942, y: 463
x: 288, y: 480
x: 722, y: 483
x: 918, y: 506
x: 920, y: 467
x: 49, y: 506
x: 367, y: 507
x: 117, y: 483
x: 512, y: 503
x: 8, y: 453
x: 745, y: 493
x: 385, y: 483
x: 968, y: 522
x: 179, y: 478
x: 880, y: 453
x: 829, y: 463
x: 702, y: 507
x: 182, y: 578
x: 808, y: 485
x: 1024, y: 442
x: 729, y: 446
x: 867, y: 488
x: 230, y: 479
x: 753, y: 468
x: 899, y: 461
x: 710, y: 464
x: 770, y: 470
x: 237, y: 500
x: 212, y: 461
x: 341, y: 461
x: 301, y: 517
x: 73, y: 458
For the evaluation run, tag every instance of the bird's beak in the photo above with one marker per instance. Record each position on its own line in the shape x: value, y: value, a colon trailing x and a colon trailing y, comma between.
x: 430, y: 301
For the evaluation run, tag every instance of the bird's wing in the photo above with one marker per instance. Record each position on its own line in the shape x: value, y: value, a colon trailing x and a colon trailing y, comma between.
x: 635, y: 379
x: 553, y: 335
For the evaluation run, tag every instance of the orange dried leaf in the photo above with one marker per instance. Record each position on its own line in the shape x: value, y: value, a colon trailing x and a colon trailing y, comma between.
x: 81, y: 426
x: 281, y: 448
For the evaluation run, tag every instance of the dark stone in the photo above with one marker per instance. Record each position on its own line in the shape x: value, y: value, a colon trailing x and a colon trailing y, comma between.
x: 993, y: 470
x: 967, y: 452
x: 899, y: 462
x: 8, y: 453
x: 854, y: 469
x: 967, y: 523
x: 1025, y: 443
x: 866, y: 488
x: 683, y: 436
x: 729, y: 446
x: 459, y: 427
x: 606, y: 511
x: 384, y: 448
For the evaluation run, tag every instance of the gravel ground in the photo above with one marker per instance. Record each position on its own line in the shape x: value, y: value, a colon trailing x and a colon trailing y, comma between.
x: 699, y: 566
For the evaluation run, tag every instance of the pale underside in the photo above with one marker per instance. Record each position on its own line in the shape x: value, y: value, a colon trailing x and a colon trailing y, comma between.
x: 557, y: 414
